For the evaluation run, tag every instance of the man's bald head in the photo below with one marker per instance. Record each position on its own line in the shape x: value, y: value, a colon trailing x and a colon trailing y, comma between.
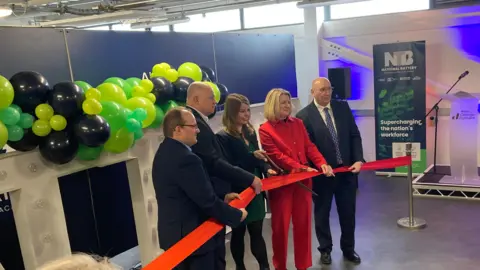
x: 320, y: 82
x: 322, y: 91
x: 200, y: 97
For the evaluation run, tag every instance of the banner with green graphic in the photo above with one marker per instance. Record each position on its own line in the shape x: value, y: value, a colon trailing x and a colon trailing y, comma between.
x: 400, y: 101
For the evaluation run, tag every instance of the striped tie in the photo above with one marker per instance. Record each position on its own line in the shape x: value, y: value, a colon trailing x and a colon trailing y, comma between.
x: 331, y: 128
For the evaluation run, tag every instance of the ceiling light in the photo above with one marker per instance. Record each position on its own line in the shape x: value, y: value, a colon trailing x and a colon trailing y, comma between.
x: 5, y: 12
x: 319, y: 3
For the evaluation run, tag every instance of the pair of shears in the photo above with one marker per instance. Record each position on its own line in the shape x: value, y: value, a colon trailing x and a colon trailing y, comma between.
x: 280, y: 171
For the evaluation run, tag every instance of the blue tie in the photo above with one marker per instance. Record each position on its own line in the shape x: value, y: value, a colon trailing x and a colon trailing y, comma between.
x: 331, y: 128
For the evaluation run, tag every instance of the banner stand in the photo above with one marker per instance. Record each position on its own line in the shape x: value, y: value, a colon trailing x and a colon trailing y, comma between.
x: 411, y: 222
x: 399, y: 71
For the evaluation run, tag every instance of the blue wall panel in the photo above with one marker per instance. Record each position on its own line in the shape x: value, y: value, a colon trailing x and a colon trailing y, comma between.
x: 98, y: 55
x: 28, y: 49
x: 252, y: 64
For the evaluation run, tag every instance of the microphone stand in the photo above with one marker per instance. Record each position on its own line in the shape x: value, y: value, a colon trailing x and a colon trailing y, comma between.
x: 436, y: 108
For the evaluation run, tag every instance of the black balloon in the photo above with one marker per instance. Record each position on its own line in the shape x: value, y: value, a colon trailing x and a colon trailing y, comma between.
x: 163, y: 90
x: 59, y: 147
x: 91, y: 130
x: 223, y: 93
x: 205, y: 77
x: 66, y: 99
x: 210, y: 73
x: 31, y: 90
x: 180, y: 87
x: 29, y: 141
x: 213, y: 114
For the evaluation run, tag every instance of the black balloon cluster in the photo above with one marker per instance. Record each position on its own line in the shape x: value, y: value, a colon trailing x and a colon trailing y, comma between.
x: 57, y: 145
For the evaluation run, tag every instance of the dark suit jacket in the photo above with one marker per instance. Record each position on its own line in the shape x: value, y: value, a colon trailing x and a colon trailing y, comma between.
x: 350, y: 141
x: 185, y: 195
x: 222, y: 174
x: 238, y: 154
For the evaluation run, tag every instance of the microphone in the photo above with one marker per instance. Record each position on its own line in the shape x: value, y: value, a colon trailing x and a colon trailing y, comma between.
x: 463, y: 75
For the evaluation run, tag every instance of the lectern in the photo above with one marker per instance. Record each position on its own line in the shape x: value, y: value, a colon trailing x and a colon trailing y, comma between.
x: 463, y: 138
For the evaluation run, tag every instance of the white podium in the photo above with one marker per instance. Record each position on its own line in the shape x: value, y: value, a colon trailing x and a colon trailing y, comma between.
x: 463, y: 138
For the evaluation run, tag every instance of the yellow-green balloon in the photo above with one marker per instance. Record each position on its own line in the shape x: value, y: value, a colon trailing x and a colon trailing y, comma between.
x: 3, y: 135
x: 216, y: 91
x: 190, y: 70
x: 58, y: 122
x: 92, y: 106
x: 6, y: 93
x: 171, y: 75
x: 93, y: 93
x: 44, y: 111
x: 119, y: 141
x: 147, y: 85
x: 41, y: 128
x: 160, y: 69
x: 144, y: 103
x: 112, y: 92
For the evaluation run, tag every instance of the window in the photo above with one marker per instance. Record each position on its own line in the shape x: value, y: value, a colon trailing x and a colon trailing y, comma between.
x: 376, y: 7
x: 124, y: 27
x: 211, y: 22
x: 163, y: 28
x: 273, y: 15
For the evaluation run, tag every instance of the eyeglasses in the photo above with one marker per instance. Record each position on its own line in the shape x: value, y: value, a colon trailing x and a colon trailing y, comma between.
x: 194, y: 126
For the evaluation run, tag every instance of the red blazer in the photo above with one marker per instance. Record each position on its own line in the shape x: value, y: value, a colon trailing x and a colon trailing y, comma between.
x: 288, y: 145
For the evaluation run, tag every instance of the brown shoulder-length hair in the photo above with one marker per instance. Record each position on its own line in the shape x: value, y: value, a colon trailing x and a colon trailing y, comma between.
x: 233, y: 102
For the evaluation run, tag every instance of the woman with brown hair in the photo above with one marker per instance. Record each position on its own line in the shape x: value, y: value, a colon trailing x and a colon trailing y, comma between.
x: 240, y: 144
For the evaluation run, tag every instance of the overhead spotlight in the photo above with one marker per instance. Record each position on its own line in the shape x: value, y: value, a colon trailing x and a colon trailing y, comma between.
x: 5, y: 11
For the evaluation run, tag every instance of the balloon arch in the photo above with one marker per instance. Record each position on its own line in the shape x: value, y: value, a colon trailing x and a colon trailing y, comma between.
x: 75, y: 120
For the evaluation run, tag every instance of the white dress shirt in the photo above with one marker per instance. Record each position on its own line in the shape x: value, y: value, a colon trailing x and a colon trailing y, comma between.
x: 322, y: 113
x: 201, y: 114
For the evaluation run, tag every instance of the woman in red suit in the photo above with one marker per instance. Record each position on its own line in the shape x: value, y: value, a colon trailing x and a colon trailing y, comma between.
x: 286, y: 141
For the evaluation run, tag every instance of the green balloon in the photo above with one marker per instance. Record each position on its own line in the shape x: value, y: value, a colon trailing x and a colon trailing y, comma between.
x: 138, y: 134
x: 119, y: 141
x: 26, y: 120
x: 115, y: 115
x: 16, y: 107
x: 15, y: 133
x: 133, y: 125
x: 89, y: 153
x: 139, y: 114
x: 158, y: 117
x: 169, y: 105
x: 85, y: 86
x: 9, y: 116
x: 133, y: 81
x: 128, y: 89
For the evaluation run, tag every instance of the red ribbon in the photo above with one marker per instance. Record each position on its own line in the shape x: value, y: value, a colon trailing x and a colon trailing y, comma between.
x: 194, y: 240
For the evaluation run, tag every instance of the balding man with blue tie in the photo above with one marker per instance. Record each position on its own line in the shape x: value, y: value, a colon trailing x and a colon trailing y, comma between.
x: 332, y: 128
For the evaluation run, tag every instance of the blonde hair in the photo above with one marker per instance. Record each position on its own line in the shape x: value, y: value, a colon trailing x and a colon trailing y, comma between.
x: 79, y: 262
x: 233, y: 102
x: 272, y: 103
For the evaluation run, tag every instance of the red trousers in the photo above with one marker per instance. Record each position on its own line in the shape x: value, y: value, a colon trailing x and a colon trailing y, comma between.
x: 295, y: 203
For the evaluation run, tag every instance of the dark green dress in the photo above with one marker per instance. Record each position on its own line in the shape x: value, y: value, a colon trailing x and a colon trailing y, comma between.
x: 256, y: 208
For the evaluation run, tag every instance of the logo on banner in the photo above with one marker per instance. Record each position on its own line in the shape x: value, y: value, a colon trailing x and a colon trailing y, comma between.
x: 4, y: 203
x: 399, y: 61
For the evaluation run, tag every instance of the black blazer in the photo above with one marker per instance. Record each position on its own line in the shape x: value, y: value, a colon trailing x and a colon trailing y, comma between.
x: 238, y: 154
x: 350, y: 141
x: 185, y: 195
x: 222, y: 174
